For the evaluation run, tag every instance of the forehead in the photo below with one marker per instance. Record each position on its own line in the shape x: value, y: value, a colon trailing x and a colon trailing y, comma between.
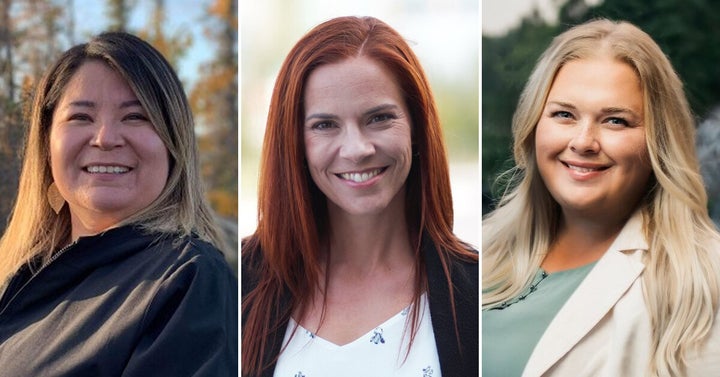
x: 602, y: 80
x: 95, y: 78
x: 351, y: 75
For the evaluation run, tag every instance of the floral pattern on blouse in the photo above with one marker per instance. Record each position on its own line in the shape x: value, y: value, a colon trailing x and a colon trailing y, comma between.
x: 387, y: 334
x: 427, y: 372
x: 310, y: 335
x: 377, y: 336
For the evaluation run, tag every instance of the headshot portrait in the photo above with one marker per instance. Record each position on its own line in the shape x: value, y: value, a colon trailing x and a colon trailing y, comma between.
x: 599, y: 232
x: 113, y: 261
x: 354, y: 256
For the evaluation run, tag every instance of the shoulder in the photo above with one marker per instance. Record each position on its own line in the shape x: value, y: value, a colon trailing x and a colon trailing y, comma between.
x: 462, y: 271
x: 193, y: 314
x: 189, y: 252
x: 462, y: 265
x: 186, y: 266
x: 192, y: 276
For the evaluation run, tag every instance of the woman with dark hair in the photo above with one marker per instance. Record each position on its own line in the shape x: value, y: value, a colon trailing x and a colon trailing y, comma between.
x: 110, y: 264
x: 354, y: 262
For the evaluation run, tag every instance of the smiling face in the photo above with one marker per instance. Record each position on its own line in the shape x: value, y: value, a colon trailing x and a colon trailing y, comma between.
x: 106, y: 158
x: 590, y: 140
x: 357, y: 137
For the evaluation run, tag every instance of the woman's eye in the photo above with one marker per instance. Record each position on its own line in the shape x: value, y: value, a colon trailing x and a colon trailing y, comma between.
x: 135, y: 117
x: 618, y: 121
x: 561, y: 114
x: 81, y: 117
x: 322, y: 125
x: 381, y: 118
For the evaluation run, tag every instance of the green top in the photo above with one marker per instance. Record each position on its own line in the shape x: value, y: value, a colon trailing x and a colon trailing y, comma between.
x: 511, y: 334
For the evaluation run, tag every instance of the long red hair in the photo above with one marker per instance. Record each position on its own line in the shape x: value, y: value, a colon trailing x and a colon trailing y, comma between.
x: 292, y: 212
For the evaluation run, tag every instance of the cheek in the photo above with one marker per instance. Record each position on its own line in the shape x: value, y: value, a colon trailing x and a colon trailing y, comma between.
x: 631, y: 148
x: 545, y: 138
x: 640, y: 158
x: 61, y: 149
x: 314, y: 148
x: 400, y: 139
x: 540, y: 142
x: 156, y: 150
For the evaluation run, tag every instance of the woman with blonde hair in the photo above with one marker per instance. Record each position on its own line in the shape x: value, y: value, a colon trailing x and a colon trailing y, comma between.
x: 111, y: 261
x: 354, y: 264
x: 601, y: 259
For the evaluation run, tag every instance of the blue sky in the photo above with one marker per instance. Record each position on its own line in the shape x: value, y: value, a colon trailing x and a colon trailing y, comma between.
x: 183, y: 15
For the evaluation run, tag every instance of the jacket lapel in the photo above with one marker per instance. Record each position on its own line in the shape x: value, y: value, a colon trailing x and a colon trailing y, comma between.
x: 608, y: 281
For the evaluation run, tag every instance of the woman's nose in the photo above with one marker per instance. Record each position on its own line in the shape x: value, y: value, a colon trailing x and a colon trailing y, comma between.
x: 355, y: 145
x: 585, y: 140
x: 108, y: 135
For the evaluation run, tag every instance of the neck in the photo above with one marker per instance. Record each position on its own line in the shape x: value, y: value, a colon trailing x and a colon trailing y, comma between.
x: 89, y: 226
x: 581, y: 240
x: 367, y: 242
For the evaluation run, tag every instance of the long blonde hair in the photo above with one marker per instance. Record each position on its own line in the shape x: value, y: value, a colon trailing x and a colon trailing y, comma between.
x: 681, y: 278
x: 34, y: 230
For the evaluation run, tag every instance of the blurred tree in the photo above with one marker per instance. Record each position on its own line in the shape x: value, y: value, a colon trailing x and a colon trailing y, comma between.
x: 708, y: 149
x: 28, y: 41
x: 687, y: 31
x: 507, y: 62
x: 172, y: 46
x: 8, y: 114
x: 118, y: 13
x: 215, y: 103
x: 7, y: 86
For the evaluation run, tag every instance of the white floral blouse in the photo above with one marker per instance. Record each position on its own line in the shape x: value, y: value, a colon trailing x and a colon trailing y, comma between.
x: 380, y: 352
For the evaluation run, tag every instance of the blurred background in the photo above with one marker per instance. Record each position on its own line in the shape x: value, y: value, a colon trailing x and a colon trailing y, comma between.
x: 198, y: 37
x: 443, y: 33
x: 515, y: 32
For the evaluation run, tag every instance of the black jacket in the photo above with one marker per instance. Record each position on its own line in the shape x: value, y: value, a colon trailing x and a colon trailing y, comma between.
x: 122, y: 303
x: 458, y: 357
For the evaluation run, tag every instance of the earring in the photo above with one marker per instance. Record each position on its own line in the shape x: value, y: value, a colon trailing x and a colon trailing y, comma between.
x: 54, y: 198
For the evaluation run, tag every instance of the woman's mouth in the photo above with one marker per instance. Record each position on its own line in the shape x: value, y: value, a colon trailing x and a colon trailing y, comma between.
x: 360, y: 177
x: 106, y: 169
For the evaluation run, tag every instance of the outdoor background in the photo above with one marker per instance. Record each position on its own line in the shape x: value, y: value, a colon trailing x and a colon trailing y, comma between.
x: 199, y: 37
x: 687, y: 31
x: 445, y: 36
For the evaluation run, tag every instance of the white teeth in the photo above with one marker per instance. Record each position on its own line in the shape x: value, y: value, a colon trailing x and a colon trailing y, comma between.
x: 360, y: 177
x: 102, y: 169
x: 581, y: 169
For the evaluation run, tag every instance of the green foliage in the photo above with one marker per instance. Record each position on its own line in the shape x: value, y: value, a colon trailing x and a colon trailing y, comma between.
x: 506, y: 65
x: 688, y: 31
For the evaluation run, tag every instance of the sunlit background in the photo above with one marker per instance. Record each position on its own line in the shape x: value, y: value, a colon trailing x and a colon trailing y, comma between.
x: 444, y: 34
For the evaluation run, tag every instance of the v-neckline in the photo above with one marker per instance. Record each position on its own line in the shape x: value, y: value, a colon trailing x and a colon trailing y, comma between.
x: 302, y: 331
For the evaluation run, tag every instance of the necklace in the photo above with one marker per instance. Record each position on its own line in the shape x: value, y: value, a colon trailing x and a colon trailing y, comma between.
x: 533, y: 288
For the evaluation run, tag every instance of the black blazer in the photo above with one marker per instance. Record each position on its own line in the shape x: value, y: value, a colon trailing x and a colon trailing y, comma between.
x: 458, y: 356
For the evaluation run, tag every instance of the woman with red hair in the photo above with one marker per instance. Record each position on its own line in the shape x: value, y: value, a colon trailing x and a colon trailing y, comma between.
x: 354, y: 263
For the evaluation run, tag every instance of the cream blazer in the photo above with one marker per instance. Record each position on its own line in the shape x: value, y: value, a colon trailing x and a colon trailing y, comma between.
x: 604, y: 327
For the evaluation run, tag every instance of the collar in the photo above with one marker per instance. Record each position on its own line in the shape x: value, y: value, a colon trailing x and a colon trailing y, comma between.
x: 605, y: 285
